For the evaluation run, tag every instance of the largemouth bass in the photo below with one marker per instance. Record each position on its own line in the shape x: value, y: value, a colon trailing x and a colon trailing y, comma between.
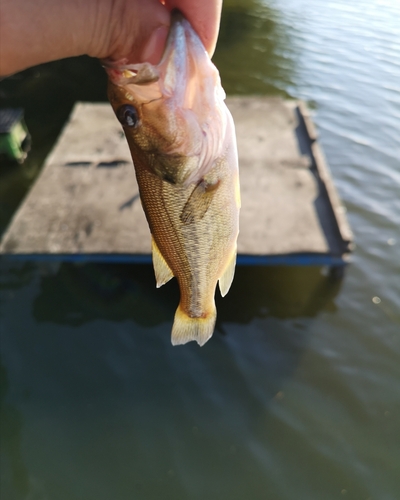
x: 182, y: 140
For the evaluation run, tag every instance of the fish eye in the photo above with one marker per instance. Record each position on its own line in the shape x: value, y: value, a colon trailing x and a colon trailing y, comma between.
x: 128, y: 116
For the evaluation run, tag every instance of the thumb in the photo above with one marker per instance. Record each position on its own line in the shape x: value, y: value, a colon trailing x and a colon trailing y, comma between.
x: 135, y: 30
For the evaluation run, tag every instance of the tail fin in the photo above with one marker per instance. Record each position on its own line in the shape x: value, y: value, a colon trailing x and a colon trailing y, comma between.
x: 186, y: 328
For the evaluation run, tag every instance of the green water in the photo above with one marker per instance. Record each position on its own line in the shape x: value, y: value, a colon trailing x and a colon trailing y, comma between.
x: 297, y: 396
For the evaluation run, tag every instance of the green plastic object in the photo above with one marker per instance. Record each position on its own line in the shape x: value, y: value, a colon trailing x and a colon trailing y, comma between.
x: 15, y: 140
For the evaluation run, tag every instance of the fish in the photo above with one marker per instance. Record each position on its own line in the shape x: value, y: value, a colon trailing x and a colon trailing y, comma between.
x: 182, y: 140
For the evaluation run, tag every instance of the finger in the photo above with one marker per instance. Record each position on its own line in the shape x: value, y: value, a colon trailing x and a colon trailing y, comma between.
x: 135, y: 30
x: 204, y: 16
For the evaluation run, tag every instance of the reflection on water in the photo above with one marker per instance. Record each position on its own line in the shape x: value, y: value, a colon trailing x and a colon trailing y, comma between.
x: 13, y: 472
x: 264, y: 58
x: 76, y: 294
x: 119, y: 407
x: 297, y: 395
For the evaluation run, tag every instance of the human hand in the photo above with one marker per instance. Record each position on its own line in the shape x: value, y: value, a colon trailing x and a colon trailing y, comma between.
x: 45, y: 30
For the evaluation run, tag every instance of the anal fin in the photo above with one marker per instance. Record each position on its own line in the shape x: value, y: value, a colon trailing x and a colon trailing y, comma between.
x: 161, y: 269
x: 225, y: 281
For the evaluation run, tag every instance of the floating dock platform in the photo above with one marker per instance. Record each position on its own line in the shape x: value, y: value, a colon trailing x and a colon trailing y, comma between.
x: 85, y: 204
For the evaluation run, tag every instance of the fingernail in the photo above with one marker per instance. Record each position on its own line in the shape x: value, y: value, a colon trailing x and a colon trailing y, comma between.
x: 154, y: 47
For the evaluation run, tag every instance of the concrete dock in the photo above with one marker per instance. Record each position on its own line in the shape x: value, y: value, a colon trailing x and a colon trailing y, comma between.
x: 85, y: 204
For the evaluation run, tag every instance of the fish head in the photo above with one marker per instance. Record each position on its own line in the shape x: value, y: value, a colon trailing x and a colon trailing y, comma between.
x: 173, y: 113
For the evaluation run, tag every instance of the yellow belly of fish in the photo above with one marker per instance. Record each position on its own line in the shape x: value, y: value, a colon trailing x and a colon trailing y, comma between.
x: 198, y: 249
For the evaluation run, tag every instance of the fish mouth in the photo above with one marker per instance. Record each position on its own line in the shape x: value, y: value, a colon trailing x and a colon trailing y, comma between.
x: 182, y: 59
x: 181, y: 96
x: 121, y: 72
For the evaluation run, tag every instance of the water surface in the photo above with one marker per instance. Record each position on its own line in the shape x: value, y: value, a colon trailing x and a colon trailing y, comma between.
x: 297, y: 395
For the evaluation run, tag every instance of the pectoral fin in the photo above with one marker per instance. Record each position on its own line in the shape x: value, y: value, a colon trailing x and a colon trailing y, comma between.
x: 198, y: 202
x: 225, y: 281
x: 161, y: 269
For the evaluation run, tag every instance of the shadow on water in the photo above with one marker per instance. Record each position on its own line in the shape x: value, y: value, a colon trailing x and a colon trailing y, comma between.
x: 76, y: 294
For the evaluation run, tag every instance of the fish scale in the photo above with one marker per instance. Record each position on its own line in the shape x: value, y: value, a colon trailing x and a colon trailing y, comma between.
x: 183, y: 145
x: 186, y: 248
